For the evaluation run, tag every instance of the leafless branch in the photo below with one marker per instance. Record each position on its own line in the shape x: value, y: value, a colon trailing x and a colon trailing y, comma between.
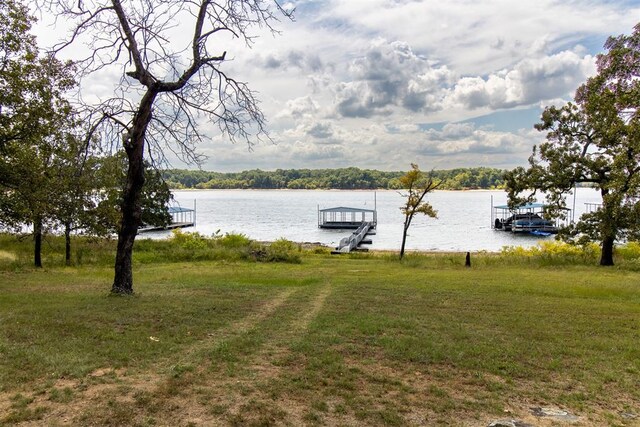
x: 193, y: 80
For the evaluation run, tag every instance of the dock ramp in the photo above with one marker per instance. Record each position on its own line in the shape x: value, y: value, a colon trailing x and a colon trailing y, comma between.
x: 353, y: 242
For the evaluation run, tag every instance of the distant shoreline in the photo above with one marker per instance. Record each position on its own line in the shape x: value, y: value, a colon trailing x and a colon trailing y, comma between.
x: 331, y: 189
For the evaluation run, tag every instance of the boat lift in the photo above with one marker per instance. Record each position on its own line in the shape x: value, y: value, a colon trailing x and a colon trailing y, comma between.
x: 525, y: 219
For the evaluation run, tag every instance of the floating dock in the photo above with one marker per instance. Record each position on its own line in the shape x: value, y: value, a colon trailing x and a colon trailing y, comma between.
x: 180, y: 218
x: 363, y: 221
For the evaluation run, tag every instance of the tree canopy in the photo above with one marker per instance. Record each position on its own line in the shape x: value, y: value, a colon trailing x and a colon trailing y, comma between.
x: 30, y: 84
x: 35, y: 119
x: 417, y: 185
x: 594, y: 140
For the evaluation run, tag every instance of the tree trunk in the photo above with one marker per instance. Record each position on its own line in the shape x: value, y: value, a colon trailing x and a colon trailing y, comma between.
x: 37, y: 242
x: 131, y: 212
x: 67, y: 244
x: 404, y: 240
x: 405, y: 228
x: 606, y: 256
x: 608, y: 229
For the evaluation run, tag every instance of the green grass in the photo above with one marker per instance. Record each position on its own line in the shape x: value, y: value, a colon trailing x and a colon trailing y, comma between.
x: 329, y: 340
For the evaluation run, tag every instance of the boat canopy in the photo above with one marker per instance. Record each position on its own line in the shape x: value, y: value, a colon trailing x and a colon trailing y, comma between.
x: 346, y: 217
x: 527, y: 218
x: 525, y: 207
x: 179, y: 209
x: 345, y: 209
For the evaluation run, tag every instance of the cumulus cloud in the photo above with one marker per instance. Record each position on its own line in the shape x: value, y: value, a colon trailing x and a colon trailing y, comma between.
x: 484, y: 36
x: 390, y: 75
x: 299, y: 107
x: 320, y: 130
x: 311, y: 153
x: 465, y: 138
x: 529, y: 82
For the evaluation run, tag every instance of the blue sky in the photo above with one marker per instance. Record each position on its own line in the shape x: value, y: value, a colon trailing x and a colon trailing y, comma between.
x: 385, y: 83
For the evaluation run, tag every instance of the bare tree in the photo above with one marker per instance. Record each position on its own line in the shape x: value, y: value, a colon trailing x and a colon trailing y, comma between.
x: 164, y: 88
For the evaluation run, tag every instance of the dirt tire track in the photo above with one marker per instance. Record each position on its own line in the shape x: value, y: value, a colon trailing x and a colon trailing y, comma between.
x: 317, y: 304
x: 105, y: 381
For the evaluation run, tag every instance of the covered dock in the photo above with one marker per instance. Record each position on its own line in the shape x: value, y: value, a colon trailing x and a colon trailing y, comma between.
x: 528, y: 218
x: 346, y: 218
x: 180, y: 218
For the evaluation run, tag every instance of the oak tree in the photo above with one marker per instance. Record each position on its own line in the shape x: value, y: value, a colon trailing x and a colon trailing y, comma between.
x: 34, y: 116
x: 594, y: 141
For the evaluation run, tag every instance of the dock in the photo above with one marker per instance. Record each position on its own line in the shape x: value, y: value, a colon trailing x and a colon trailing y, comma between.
x: 180, y: 218
x: 525, y: 219
x: 363, y: 221
x: 346, y: 218
x: 357, y: 238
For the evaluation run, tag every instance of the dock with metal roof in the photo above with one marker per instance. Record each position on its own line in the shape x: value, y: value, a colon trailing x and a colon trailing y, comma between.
x: 528, y: 219
x: 363, y: 221
x: 180, y: 218
x: 346, y: 218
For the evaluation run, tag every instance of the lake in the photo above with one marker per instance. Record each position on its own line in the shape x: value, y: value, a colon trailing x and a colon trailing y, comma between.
x: 463, y: 224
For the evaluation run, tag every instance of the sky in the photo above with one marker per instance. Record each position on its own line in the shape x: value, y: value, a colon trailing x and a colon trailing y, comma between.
x: 382, y: 84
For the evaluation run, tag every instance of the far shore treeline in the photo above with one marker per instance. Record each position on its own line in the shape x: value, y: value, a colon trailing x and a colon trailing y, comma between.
x: 325, y: 179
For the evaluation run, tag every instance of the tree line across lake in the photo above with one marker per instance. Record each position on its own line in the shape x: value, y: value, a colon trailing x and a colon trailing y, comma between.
x: 323, y: 179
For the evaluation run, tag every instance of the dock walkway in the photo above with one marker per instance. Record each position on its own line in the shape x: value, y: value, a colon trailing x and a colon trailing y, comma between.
x: 353, y: 242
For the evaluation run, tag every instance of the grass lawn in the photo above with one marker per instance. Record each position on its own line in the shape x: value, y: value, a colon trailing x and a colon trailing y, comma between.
x: 362, y: 340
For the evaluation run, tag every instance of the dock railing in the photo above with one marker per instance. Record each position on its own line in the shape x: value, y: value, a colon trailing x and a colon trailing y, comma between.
x: 351, y: 242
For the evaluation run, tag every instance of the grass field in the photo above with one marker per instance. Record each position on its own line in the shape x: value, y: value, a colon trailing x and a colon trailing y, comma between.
x: 362, y: 340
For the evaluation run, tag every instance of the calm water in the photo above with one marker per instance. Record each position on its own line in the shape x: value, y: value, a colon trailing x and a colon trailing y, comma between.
x: 463, y: 224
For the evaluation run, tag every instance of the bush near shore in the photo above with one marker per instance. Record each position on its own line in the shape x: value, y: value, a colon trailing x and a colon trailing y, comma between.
x: 181, y: 246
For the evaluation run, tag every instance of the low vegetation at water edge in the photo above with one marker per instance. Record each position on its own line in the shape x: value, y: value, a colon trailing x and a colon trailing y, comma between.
x: 17, y: 252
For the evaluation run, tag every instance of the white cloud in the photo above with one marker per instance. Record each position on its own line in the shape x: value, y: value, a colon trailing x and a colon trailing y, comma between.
x: 477, y: 37
x: 465, y: 138
x: 357, y: 82
x: 388, y: 75
x: 300, y: 107
x: 529, y: 82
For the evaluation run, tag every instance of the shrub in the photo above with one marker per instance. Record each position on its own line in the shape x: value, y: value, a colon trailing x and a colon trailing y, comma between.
x: 554, y: 252
x: 193, y: 241
x: 629, y: 251
x: 283, y: 250
x: 233, y: 240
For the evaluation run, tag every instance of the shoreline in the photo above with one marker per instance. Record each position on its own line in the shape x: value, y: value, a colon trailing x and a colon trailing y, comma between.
x: 312, y: 245
x: 476, y: 190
